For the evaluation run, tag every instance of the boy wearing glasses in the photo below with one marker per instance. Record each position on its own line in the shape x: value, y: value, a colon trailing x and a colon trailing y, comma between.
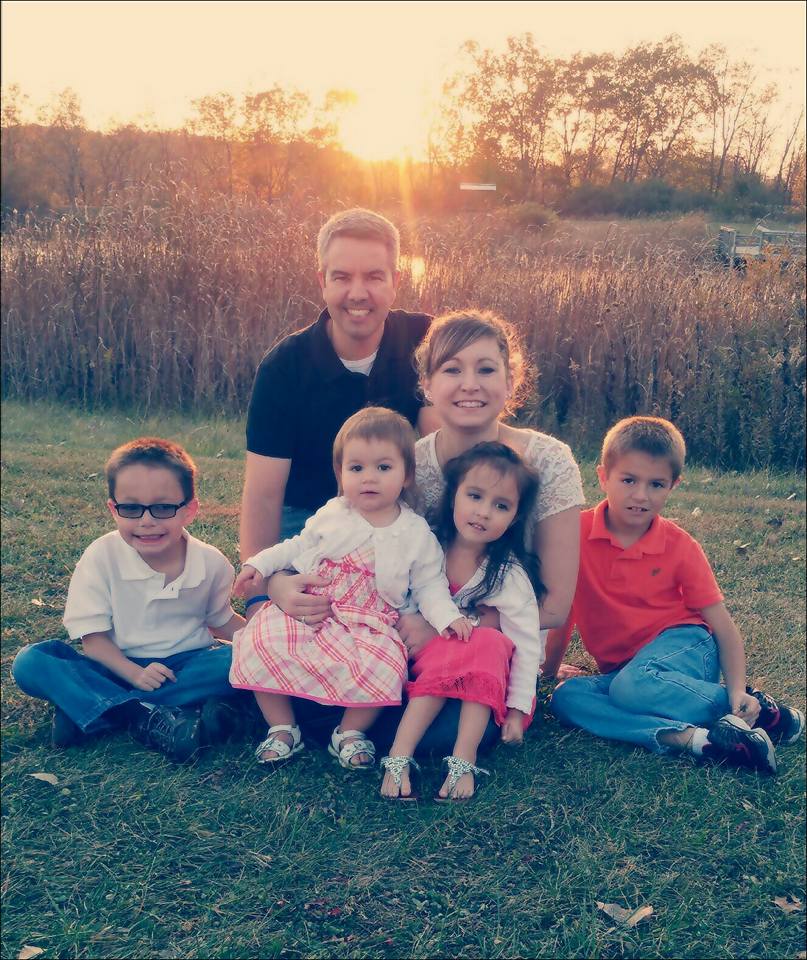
x: 144, y: 600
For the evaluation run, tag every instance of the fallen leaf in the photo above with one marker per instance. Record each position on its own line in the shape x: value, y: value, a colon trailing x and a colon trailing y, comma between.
x: 775, y: 522
x: 629, y: 917
x: 47, y: 777
x: 28, y: 952
x: 36, y: 602
x: 742, y: 548
x: 697, y: 512
x: 788, y: 904
x: 641, y: 914
x: 614, y: 911
x: 91, y: 476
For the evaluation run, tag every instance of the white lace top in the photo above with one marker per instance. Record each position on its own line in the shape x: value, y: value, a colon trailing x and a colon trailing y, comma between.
x: 560, y: 486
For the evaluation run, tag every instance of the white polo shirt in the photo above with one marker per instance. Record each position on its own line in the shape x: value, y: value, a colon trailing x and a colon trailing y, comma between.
x: 114, y: 590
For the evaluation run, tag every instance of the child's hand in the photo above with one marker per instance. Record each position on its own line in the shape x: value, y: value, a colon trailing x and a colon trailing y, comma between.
x: 744, y: 706
x: 513, y: 728
x: 462, y: 627
x: 248, y: 579
x: 152, y: 677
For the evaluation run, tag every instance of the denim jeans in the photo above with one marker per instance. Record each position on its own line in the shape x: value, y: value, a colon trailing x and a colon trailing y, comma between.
x: 671, y: 684
x: 292, y: 521
x: 85, y: 690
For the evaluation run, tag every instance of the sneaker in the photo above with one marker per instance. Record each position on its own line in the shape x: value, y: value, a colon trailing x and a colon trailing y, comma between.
x: 731, y: 739
x: 174, y: 731
x: 782, y: 724
x: 63, y: 732
x: 223, y: 718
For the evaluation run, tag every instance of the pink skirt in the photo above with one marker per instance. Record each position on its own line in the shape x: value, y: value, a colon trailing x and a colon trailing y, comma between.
x: 353, y: 659
x: 477, y: 670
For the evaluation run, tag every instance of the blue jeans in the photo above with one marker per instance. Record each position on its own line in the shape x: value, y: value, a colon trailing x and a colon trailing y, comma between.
x: 292, y: 521
x: 85, y: 690
x: 319, y: 720
x: 671, y: 684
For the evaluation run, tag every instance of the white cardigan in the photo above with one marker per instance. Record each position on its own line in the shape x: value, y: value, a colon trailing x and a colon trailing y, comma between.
x: 518, y: 620
x: 408, y: 558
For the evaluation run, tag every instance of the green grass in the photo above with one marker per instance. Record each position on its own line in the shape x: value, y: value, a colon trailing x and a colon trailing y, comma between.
x: 131, y: 856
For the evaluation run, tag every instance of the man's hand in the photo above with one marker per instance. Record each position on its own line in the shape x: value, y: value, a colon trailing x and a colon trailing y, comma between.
x: 287, y: 591
x: 415, y: 631
x: 513, y: 728
x: 152, y: 677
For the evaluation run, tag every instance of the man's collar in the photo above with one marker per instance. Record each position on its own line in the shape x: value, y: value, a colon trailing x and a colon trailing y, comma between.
x: 325, y: 358
x: 652, y: 540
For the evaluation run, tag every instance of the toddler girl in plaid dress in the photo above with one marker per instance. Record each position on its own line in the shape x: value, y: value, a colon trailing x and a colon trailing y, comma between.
x: 380, y: 557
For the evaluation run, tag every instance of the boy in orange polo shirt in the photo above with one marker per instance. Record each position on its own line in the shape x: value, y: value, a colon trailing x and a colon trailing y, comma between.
x: 650, y: 612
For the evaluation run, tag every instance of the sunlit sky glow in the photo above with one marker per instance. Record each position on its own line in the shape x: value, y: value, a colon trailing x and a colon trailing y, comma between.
x: 132, y: 61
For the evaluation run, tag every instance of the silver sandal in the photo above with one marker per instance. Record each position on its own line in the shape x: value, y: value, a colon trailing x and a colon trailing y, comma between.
x: 395, y: 767
x: 344, y: 752
x: 274, y: 743
x: 457, y: 767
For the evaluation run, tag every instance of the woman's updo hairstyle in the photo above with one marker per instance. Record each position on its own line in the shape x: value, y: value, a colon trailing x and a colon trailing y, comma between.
x: 453, y: 332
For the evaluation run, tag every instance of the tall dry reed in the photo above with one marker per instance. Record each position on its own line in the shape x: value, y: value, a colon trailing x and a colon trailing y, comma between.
x: 169, y: 303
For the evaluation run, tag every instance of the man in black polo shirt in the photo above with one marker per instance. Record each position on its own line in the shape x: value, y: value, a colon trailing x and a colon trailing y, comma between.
x: 358, y: 353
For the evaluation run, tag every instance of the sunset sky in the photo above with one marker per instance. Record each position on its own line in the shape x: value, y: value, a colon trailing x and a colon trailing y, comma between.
x: 128, y: 61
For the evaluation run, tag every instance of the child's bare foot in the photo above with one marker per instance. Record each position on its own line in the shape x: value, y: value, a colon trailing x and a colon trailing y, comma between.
x: 460, y: 784
x: 397, y: 784
x: 463, y: 789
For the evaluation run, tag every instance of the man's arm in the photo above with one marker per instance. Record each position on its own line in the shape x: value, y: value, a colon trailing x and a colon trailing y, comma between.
x: 265, y: 481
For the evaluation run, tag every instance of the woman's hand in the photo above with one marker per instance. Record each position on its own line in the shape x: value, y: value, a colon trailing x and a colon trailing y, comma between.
x: 287, y: 591
x: 415, y: 631
x: 513, y: 728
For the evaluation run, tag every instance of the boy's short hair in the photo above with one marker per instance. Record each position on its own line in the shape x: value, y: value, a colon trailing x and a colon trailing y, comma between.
x: 651, y: 435
x: 153, y: 452
x: 362, y: 225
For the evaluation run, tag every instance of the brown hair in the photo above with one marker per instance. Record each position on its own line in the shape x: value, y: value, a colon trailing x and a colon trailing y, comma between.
x: 363, y: 225
x: 153, y: 452
x: 651, y: 435
x: 376, y: 423
x: 453, y: 332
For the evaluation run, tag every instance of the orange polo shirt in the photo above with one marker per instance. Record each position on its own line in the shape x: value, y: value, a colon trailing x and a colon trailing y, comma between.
x: 626, y: 597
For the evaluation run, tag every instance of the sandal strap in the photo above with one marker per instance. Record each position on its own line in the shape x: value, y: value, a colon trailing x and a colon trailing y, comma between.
x: 396, y: 766
x: 275, y: 744
x: 457, y: 767
x: 360, y: 744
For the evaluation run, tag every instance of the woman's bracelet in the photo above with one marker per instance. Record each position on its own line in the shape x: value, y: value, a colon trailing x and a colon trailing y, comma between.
x: 259, y: 598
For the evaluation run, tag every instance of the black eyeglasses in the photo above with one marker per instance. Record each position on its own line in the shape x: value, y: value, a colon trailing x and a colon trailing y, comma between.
x: 160, y: 511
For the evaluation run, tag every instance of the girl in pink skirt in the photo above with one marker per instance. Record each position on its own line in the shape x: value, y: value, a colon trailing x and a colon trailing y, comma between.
x: 379, y: 557
x: 488, y: 495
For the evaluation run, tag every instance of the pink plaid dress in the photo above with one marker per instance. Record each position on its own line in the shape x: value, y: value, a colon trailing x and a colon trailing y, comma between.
x: 353, y: 659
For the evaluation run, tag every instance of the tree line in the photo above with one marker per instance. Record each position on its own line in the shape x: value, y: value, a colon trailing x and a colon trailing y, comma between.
x: 551, y: 130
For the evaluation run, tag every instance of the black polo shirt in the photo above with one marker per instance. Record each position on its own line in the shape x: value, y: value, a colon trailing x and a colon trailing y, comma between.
x: 303, y: 393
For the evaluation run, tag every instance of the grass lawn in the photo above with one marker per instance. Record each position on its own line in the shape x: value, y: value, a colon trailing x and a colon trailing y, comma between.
x: 127, y: 855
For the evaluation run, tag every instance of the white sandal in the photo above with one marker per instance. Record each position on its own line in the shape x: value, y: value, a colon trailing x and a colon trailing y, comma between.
x: 344, y: 752
x: 274, y: 743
